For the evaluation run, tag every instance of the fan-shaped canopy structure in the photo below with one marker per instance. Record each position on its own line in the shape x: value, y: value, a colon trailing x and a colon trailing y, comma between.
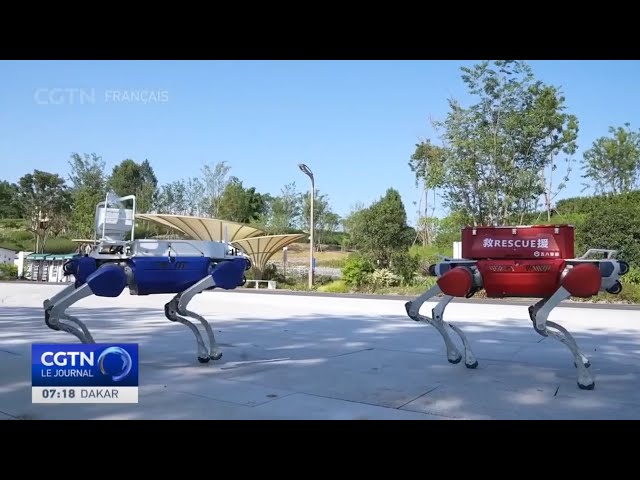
x: 261, y: 249
x: 201, y: 228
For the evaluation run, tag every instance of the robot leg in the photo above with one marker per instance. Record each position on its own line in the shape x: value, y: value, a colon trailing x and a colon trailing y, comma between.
x: 175, y: 313
x: 107, y: 281
x: 583, y: 280
x: 455, y: 282
x: 227, y: 275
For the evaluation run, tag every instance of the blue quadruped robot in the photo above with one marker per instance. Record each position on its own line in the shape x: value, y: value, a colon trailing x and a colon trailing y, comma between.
x: 146, y: 267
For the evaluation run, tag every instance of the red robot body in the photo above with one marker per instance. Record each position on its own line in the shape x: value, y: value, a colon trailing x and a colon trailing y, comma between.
x: 521, y: 261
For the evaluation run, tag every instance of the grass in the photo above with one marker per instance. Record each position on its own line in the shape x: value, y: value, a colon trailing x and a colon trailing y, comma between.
x: 298, y: 254
x: 630, y: 292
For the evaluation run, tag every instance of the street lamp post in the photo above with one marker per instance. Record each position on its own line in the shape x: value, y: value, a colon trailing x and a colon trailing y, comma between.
x: 307, y: 171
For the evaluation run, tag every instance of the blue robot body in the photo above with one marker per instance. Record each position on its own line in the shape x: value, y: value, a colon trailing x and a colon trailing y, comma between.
x: 147, y: 267
x: 168, y: 275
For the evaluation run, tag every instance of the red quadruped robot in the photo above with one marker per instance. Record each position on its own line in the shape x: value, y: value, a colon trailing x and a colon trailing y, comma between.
x: 527, y: 262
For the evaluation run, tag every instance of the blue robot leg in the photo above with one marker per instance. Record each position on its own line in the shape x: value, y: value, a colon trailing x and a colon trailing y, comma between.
x: 226, y: 275
x: 106, y: 281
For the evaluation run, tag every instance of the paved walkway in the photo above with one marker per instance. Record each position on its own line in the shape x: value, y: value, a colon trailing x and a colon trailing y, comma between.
x: 299, y: 357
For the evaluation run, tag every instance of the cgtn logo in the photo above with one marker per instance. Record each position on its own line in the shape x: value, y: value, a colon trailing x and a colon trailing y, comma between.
x: 74, y: 369
x: 114, y: 362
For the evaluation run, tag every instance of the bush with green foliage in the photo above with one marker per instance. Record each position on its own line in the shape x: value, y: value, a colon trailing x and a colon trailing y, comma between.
x: 604, y: 221
x: 60, y: 245
x: 589, y: 204
x: 14, y: 223
x: 8, y: 270
x: 404, y: 265
x: 337, y: 286
x: 425, y: 282
x: 382, y: 278
x: 20, y: 236
x: 632, y: 277
x: 616, y: 227
x: 428, y: 255
x: 356, y: 270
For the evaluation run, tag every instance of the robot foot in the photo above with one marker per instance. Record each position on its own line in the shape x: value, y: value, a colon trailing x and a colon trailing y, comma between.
x: 587, y: 386
x: 176, y: 311
x: 57, y: 319
x: 539, y: 313
x: 470, y: 360
x: 171, y: 312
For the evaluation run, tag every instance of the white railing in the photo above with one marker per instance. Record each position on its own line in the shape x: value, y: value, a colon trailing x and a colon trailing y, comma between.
x: 271, y: 284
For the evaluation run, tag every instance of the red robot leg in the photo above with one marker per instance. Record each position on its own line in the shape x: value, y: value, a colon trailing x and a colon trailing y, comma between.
x: 583, y: 280
x: 457, y: 282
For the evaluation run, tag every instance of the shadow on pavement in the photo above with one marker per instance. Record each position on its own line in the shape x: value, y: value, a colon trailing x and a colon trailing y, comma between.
x: 334, y: 366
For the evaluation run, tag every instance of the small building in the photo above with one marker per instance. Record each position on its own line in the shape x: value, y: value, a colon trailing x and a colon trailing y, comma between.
x: 7, y: 255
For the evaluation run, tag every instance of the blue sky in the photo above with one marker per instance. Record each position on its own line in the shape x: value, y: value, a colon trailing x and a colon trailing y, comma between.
x: 355, y: 123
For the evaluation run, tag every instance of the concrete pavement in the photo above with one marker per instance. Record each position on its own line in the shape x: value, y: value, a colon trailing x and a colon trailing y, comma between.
x: 319, y: 357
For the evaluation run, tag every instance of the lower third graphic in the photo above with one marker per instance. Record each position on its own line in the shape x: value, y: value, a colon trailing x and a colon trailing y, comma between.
x: 84, y: 373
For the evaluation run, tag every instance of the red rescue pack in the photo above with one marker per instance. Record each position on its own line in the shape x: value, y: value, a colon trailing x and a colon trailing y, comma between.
x: 521, y: 242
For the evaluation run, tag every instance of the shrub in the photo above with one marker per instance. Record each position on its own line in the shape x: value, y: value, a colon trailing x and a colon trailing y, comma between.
x: 404, y: 265
x: 338, y: 286
x: 8, y: 270
x: 604, y: 221
x: 60, y: 245
x: 356, y: 270
x: 13, y: 223
x: 616, y: 227
x: 20, y: 236
x: 632, y: 277
x: 322, y: 279
x: 430, y: 254
x: 425, y: 282
x: 383, y: 278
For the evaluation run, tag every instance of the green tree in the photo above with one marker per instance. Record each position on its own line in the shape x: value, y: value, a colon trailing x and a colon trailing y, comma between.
x: 88, y: 184
x: 351, y: 223
x: 612, y: 163
x: 215, y: 182
x: 498, y: 149
x: 195, y: 193
x: 428, y: 165
x: 172, y: 198
x: 240, y: 204
x: 560, y: 134
x: 131, y: 178
x: 285, y: 210
x: 148, y: 189
x: 45, y: 200
x: 8, y: 196
x: 450, y: 230
x: 382, y: 229
x: 325, y: 221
